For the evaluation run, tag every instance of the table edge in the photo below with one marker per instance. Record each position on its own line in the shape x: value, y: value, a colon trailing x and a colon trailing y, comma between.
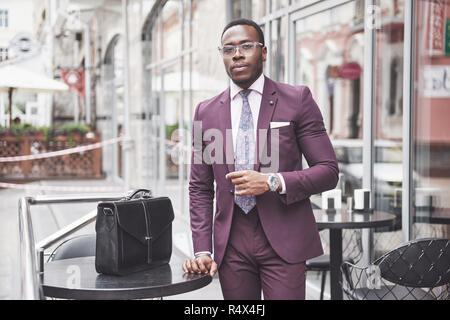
x: 125, y: 293
x: 357, y: 225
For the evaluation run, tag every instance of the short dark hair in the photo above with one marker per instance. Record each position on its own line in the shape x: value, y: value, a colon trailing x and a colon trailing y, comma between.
x: 246, y: 22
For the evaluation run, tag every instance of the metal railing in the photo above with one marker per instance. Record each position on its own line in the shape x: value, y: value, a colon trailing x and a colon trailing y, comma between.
x: 31, y: 259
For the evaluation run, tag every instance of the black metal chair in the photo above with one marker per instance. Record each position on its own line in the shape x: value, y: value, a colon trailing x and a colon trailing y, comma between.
x: 417, y: 270
x: 80, y: 246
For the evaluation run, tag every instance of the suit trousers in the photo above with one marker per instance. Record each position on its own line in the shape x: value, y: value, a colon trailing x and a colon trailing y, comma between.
x: 251, y: 265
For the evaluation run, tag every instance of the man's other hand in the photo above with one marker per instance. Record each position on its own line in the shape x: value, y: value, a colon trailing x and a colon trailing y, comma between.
x: 201, y: 264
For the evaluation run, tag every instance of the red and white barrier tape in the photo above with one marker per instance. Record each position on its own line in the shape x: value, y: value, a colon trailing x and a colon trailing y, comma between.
x: 60, y: 188
x: 63, y: 152
x: 66, y: 152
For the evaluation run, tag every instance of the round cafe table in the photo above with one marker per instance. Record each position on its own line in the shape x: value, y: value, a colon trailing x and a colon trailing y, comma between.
x: 77, y: 279
x: 340, y: 219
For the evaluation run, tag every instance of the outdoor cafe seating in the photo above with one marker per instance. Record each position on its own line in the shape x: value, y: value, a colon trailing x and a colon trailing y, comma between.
x: 417, y: 270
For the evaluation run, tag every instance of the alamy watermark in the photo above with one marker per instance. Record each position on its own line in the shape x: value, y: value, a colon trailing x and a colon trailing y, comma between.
x: 212, y: 147
x: 373, y: 277
x: 74, y: 279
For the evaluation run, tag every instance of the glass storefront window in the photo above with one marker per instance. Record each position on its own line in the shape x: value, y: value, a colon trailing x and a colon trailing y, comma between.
x: 171, y: 29
x: 181, y: 72
x: 278, y: 49
x: 278, y: 4
x: 113, y: 97
x: 207, y: 66
x: 237, y: 10
x: 329, y: 60
x: 244, y: 9
x: 388, y: 120
x: 258, y: 9
x: 431, y: 114
x: 163, y: 72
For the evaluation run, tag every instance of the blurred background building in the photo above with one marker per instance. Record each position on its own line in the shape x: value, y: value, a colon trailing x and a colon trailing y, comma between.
x: 19, y: 46
x: 378, y: 69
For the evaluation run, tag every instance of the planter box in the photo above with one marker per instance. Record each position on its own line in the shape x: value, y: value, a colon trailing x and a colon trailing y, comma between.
x: 87, y: 164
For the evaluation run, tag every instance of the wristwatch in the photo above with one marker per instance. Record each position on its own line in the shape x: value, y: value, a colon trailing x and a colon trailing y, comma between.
x: 273, y: 182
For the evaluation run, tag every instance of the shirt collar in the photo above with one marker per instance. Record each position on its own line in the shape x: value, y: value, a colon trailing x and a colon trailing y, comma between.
x: 257, y: 86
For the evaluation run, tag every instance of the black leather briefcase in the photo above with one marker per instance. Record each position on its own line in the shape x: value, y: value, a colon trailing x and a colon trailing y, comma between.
x: 133, y: 234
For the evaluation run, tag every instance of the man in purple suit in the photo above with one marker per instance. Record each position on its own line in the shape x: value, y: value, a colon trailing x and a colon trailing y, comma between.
x: 263, y: 229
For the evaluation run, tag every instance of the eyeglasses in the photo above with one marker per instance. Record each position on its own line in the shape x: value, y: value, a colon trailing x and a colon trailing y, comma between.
x: 246, y: 49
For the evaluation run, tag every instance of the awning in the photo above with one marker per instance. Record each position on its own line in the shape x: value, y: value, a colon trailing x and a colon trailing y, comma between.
x: 19, y: 78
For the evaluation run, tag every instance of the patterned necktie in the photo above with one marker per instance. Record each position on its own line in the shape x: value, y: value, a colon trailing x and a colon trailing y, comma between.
x: 245, y: 149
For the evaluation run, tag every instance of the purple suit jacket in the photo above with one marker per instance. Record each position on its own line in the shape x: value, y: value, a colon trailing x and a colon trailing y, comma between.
x: 287, y: 219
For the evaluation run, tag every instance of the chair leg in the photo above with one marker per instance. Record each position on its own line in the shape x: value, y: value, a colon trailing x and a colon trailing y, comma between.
x: 322, y: 287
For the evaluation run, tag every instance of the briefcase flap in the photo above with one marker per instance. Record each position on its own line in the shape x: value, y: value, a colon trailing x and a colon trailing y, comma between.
x: 131, y: 217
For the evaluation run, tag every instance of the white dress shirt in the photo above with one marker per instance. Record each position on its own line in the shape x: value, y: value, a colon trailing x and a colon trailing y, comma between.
x: 254, y: 99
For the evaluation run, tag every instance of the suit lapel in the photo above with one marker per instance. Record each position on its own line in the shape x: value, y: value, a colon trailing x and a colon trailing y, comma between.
x: 268, y: 104
x: 225, y: 128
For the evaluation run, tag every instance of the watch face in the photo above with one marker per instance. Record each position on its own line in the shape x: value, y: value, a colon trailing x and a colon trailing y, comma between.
x: 273, y: 182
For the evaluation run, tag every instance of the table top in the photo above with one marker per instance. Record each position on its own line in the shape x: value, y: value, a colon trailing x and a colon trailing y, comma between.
x: 344, y: 219
x: 77, y: 279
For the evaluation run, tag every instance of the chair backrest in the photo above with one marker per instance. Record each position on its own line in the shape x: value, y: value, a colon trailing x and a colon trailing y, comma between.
x: 80, y: 246
x: 423, y: 263
x: 352, y: 244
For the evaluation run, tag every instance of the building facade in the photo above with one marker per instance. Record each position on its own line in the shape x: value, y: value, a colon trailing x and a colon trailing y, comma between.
x: 20, y: 46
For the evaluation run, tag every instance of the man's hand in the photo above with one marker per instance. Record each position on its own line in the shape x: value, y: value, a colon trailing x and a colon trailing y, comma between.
x: 249, y: 182
x: 201, y: 264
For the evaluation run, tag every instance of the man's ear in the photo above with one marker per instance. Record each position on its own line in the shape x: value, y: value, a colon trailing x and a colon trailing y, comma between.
x: 264, y: 53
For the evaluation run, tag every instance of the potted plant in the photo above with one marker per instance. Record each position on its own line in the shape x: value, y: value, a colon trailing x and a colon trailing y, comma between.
x: 75, y: 132
x: 3, y: 131
x: 44, y: 132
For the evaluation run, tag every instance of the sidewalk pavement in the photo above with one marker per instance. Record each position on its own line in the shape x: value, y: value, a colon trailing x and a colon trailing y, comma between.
x: 47, y: 219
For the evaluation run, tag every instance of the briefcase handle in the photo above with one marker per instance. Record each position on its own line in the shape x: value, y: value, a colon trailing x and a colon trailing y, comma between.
x: 132, y: 193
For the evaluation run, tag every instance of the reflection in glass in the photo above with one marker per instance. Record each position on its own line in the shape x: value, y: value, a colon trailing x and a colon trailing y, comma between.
x: 171, y: 102
x: 388, y: 117
x: 329, y: 56
x: 278, y: 4
x: 278, y: 49
x: 114, y: 101
x: 329, y: 60
x: 258, y: 9
x: 182, y: 68
x: 171, y: 29
x: 431, y: 114
x: 208, y: 74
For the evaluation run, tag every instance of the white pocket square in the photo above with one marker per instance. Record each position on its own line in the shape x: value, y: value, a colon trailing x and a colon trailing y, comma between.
x: 274, y: 125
